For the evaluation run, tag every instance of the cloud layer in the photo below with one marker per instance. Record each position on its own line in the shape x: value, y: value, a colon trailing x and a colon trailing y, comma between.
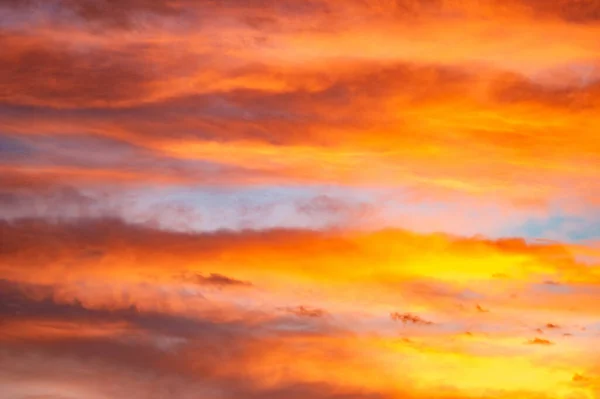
x: 417, y: 298
x: 361, y: 199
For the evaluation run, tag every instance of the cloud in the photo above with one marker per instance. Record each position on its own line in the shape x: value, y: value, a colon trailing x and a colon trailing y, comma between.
x: 317, y: 125
x: 43, y: 72
x: 247, y: 124
x: 123, y: 13
x: 539, y: 341
x: 281, y: 252
x: 572, y: 11
x: 154, y: 155
x: 219, y: 280
x: 59, y: 337
x: 32, y: 312
x: 64, y: 161
x: 578, y: 377
x: 323, y: 205
x: 481, y: 309
x: 106, y: 290
x: 132, y: 13
x: 43, y: 303
x: 409, y: 318
x: 550, y: 282
x: 303, y: 311
x: 23, y: 197
x: 103, y: 13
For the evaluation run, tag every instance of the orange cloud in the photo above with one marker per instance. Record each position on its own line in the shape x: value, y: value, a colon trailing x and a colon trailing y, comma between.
x: 539, y: 341
x: 395, y: 133
x: 409, y: 318
x: 218, y: 280
x: 123, y: 283
x: 437, y: 272
x: 477, y: 101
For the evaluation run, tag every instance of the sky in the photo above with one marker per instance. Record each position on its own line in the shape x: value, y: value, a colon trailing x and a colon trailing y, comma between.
x: 299, y: 199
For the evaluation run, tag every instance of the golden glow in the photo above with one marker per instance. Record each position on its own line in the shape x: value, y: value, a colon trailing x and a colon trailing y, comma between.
x: 238, y: 199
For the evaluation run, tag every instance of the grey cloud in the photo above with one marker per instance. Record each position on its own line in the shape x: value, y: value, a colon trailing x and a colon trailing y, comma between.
x: 305, y: 311
x: 218, y: 280
x: 407, y: 318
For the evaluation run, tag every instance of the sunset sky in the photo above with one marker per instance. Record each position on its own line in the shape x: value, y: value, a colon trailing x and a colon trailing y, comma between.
x: 299, y: 199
